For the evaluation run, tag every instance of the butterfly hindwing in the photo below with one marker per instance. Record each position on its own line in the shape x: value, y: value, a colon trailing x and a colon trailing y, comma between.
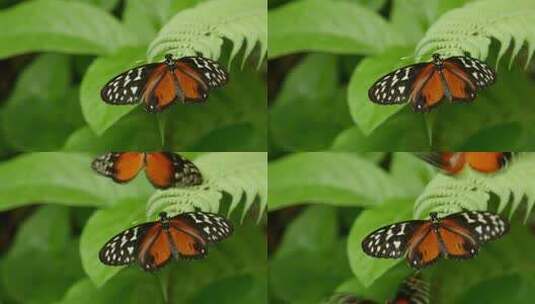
x: 127, y: 87
x: 167, y: 169
x: 390, y: 241
x: 209, y: 226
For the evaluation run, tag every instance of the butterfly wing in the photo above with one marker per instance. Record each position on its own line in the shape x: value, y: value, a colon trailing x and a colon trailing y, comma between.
x: 193, y: 230
x: 347, y: 298
x: 166, y: 169
x: 120, y: 166
x: 461, y: 86
x: 126, y: 88
x: 160, y: 90
x: 448, y: 162
x: 483, y: 225
x: 154, y: 250
x: 427, y: 89
x: 424, y: 247
x: 122, y: 248
x: 487, y: 162
x: 390, y: 241
x: 395, y: 87
x: 481, y: 74
x: 413, y: 290
x: 210, y: 71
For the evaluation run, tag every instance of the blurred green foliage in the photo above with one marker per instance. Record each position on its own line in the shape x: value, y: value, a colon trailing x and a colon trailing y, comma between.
x: 327, y: 54
x: 53, y: 257
x: 328, y: 202
x: 60, y: 53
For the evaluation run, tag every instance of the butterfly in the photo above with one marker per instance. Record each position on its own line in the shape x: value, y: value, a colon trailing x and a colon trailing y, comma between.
x: 424, y: 85
x: 163, y: 169
x: 158, y: 85
x: 454, y: 162
x: 413, y: 290
x: 153, y: 244
x: 458, y: 235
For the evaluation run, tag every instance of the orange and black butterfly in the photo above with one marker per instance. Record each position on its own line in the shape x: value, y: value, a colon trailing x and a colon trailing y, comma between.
x: 458, y: 235
x: 424, y: 85
x: 163, y: 169
x: 153, y: 244
x: 158, y: 85
x: 454, y: 162
x: 413, y: 290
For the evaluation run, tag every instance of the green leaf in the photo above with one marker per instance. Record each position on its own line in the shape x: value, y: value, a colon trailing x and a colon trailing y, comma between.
x: 61, y: 178
x: 339, y: 27
x: 332, y: 178
x: 366, y: 268
x: 411, y: 172
x: 131, y: 286
x: 310, y: 109
x: 241, y: 175
x: 310, y: 246
x: 366, y: 114
x: 59, y: 26
x: 203, y: 28
x: 471, y: 28
x: 102, y: 226
x: 505, y: 289
x: 136, y: 132
x: 43, y: 245
x: 472, y: 190
x: 99, y: 115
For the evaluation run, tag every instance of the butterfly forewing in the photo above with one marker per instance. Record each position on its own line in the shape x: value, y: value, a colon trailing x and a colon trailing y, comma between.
x: 211, y: 227
x: 479, y: 71
x: 120, y: 166
x: 395, y: 87
x: 122, y: 248
x: 211, y: 72
x: 484, y: 225
x: 390, y: 241
x: 126, y: 88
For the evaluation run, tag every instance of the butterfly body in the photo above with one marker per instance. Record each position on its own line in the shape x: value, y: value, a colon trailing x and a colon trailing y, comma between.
x: 163, y: 169
x: 152, y: 245
x: 424, y: 85
x: 423, y: 242
x: 159, y: 85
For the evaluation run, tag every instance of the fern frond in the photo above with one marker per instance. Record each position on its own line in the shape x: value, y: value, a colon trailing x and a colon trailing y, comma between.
x: 471, y: 28
x: 203, y: 28
x: 472, y: 190
x: 241, y: 175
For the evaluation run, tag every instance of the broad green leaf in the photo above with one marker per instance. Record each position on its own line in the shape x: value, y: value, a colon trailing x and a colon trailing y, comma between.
x: 366, y: 114
x: 100, y: 228
x: 342, y: 179
x: 512, y: 289
x: 368, y: 269
x: 99, y: 115
x: 310, y: 109
x: 61, y: 178
x: 136, y: 132
x: 310, y: 246
x: 339, y: 27
x: 132, y: 286
x: 59, y: 26
x: 42, y: 247
x: 411, y: 172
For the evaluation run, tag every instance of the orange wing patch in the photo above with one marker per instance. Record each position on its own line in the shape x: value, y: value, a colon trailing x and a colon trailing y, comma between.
x: 127, y: 166
x: 433, y: 91
x: 486, y: 162
x: 155, y: 249
x: 191, y: 83
x: 453, y: 162
x: 186, y: 244
x: 461, y: 85
x: 456, y: 245
x: 425, y: 248
x: 159, y: 170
